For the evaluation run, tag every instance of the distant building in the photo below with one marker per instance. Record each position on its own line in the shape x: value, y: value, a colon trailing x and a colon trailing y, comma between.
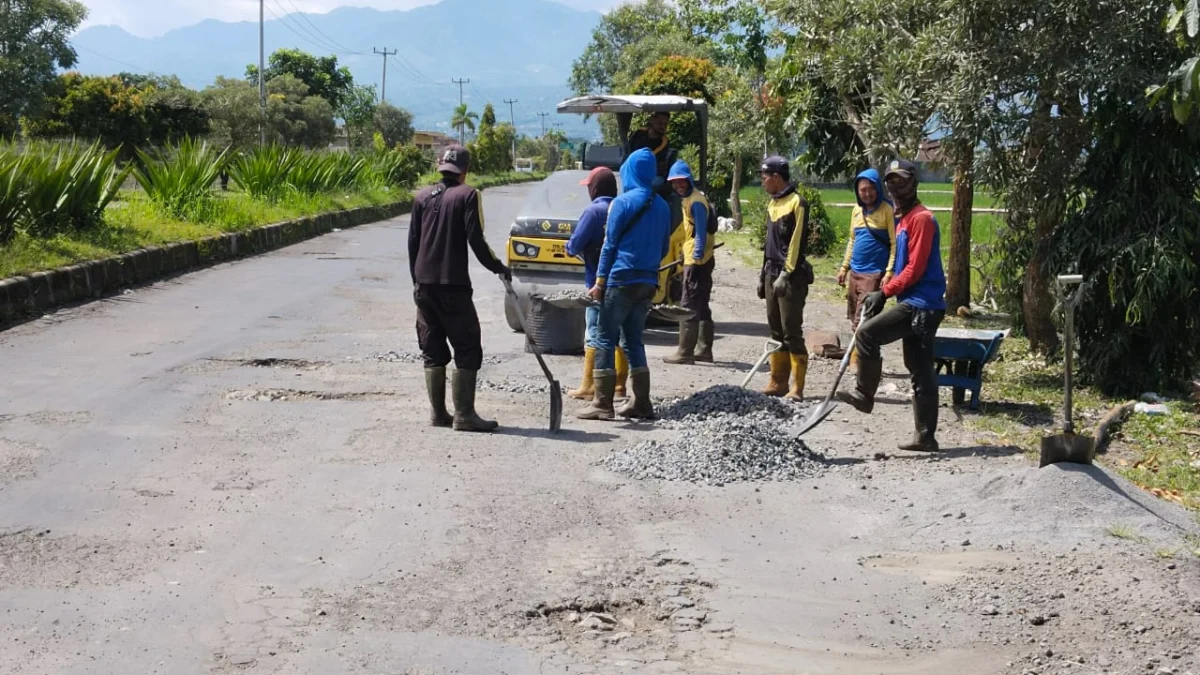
x: 432, y: 141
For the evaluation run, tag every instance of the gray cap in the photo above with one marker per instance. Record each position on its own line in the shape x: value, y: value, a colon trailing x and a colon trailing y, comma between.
x: 455, y: 159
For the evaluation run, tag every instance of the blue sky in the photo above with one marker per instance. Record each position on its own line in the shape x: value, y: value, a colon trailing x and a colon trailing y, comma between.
x: 148, y: 18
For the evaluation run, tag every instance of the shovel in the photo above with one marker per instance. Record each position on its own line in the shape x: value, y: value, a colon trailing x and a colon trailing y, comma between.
x: 556, y: 401
x: 769, y: 348
x: 822, y: 411
x: 1068, y: 447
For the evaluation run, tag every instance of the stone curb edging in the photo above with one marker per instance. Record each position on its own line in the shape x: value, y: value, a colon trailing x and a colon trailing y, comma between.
x: 36, y: 293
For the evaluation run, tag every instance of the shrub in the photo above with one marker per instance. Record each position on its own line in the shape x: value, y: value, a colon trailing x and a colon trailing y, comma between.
x: 272, y: 172
x: 401, y: 167
x: 822, y: 235
x: 66, y: 185
x: 263, y: 172
x: 12, y: 193
x: 179, y: 179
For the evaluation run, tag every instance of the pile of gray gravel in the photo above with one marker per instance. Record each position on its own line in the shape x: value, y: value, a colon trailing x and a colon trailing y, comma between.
x: 724, y: 399
x: 720, y: 449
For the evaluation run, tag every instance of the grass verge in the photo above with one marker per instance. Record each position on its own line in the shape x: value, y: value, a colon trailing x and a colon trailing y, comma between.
x: 134, y: 222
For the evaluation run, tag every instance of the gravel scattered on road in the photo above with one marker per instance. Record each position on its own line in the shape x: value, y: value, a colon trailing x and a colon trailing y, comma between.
x: 724, y: 448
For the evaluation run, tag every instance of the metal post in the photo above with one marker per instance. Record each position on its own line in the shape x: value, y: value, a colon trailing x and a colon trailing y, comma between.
x: 383, y: 89
x: 462, y: 138
x: 512, y: 118
x: 262, y: 78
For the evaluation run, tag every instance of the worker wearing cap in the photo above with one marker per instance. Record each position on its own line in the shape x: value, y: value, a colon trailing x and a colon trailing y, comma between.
x: 446, y: 220
x: 919, y: 286
x: 696, y: 250
x: 785, y: 278
x: 586, y: 241
x: 871, y: 249
x: 637, y: 238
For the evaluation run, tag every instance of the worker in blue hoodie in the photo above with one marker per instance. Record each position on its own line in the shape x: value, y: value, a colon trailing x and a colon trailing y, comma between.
x: 637, y: 238
x: 871, y: 249
x: 586, y: 242
x: 695, y: 336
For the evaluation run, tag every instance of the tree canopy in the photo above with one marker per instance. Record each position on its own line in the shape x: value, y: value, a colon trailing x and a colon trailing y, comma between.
x: 34, y: 46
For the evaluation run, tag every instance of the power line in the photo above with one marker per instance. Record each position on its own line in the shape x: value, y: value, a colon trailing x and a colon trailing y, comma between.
x: 106, y: 56
x: 300, y: 32
x: 385, y: 53
x: 423, y: 78
x: 312, y: 25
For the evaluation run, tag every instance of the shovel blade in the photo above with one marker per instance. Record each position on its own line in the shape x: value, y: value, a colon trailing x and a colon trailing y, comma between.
x: 1067, y: 448
x: 673, y: 314
x: 556, y: 406
x: 817, y: 416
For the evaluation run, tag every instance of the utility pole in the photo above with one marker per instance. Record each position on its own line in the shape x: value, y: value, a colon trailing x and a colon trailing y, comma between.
x: 262, y: 78
x: 512, y: 118
x: 543, y: 115
x: 383, y: 89
x: 462, y: 126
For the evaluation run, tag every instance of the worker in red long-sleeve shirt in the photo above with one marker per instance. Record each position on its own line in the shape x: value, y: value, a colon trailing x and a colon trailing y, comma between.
x: 919, y: 286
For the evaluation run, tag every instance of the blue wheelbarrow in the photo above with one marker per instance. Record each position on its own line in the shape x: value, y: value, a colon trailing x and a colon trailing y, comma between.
x: 959, y: 357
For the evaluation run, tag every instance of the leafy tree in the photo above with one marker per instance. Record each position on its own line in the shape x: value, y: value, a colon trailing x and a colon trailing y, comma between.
x: 620, y: 29
x: 294, y: 117
x: 92, y: 107
x: 174, y: 112
x: 320, y: 74
x: 492, y: 150
x: 358, y: 112
x: 232, y: 105
x: 395, y: 124
x: 34, y: 45
x: 1182, y: 87
x: 463, y: 120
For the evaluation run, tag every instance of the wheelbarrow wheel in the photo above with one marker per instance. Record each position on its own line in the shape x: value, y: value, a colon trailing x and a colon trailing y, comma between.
x: 958, y: 394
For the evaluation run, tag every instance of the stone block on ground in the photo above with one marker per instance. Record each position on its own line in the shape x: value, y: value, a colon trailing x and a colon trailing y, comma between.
x: 824, y: 343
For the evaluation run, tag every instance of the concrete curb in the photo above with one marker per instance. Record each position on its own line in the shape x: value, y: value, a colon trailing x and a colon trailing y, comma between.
x: 22, y: 297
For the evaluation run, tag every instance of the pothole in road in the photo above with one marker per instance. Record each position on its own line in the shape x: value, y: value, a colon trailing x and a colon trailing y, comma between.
x: 290, y: 364
x: 273, y: 395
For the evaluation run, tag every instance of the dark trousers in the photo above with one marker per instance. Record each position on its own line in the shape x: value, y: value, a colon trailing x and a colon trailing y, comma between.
x: 917, y: 328
x: 785, y: 316
x: 446, y: 320
x: 697, y: 289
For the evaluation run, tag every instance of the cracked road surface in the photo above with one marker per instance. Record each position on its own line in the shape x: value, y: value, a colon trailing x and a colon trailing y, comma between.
x: 231, y: 471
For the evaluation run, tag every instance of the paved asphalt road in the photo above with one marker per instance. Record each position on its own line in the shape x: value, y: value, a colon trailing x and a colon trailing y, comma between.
x: 231, y: 472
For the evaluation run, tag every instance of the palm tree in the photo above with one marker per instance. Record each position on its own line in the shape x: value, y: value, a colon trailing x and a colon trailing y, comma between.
x: 463, y: 119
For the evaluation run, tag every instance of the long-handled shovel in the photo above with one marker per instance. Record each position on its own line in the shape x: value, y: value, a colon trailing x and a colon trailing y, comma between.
x: 822, y: 411
x: 1067, y: 447
x: 769, y: 348
x: 556, y: 401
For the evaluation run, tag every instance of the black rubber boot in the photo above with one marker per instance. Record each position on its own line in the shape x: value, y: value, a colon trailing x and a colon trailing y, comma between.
x: 925, y: 417
x: 465, y: 418
x: 435, y: 385
x: 601, y: 407
x: 862, y: 397
x: 705, y: 344
x: 639, y: 406
x: 685, y: 354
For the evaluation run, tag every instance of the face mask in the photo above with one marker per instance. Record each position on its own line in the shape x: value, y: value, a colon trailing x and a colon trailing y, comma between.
x: 904, y: 194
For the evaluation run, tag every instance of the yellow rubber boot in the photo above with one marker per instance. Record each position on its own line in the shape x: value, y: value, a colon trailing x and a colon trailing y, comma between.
x: 587, y: 387
x: 622, y: 374
x: 781, y: 367
x: 799, y: 375
x: 854, y: 358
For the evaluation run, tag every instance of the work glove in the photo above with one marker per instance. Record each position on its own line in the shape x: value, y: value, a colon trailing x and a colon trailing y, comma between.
x: 762, y: 287
x: 781, y: 288
x: 505, y: 273
x: 873, y: 303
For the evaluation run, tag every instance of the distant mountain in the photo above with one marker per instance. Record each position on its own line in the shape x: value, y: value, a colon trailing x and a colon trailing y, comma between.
x: 519, y: 49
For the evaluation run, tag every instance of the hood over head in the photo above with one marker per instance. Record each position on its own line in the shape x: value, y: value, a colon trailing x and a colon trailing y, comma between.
x: 681, y: 170
x: 601, y: 182
x: 639, y: 171
x: 880, y: 192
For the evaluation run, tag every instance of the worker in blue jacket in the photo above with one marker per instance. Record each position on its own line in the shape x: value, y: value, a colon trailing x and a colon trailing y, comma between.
x: 637, y: 239
x: 586, y: 241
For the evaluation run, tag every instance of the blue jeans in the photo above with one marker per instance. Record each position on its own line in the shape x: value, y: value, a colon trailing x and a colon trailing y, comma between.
x: 592, y: 335
x: 623, y: 319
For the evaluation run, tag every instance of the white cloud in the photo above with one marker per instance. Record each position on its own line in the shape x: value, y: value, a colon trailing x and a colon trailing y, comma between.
x: 148, y: 18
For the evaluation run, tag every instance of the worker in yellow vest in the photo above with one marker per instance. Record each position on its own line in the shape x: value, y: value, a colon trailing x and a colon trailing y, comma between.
x: 696, y: 335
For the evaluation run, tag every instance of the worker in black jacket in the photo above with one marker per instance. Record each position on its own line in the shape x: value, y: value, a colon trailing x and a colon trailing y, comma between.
x: 447, y: 218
